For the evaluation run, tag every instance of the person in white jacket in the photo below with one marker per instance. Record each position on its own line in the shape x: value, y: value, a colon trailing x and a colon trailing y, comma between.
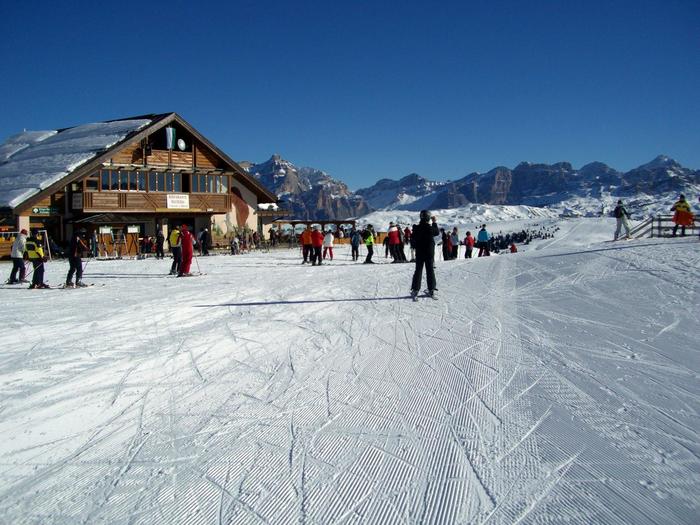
x: 328, y: 244
x: 17, y: 255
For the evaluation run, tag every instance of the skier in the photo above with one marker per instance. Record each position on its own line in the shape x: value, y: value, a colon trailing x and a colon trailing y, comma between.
x: 454, y: 241
x: 328, y: 245
x: 368, y: 236
x: 355, y: 239
x: 513, y: 248
x: 393, y: 240
x: 36, y: 255
x: 621, y: 215
x: 683, y: 216
x: 316, y: 244
x: 160, y: 240
x: 423, y: 237
x: 306, y: 246
x: 482, y: 241
x: 17, y: 255
x: 175, y: 241
x: 204, y: 242
x: 187, y: 241
x: 77, y: 246
x: 468, y: 245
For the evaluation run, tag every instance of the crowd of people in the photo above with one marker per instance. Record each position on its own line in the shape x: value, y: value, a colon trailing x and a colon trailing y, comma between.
x: 317, y: 245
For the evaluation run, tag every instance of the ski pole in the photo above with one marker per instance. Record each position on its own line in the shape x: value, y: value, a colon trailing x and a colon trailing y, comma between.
x: 197, y: 261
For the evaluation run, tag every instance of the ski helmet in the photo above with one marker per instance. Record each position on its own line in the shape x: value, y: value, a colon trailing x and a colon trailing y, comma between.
x: 425, y: 215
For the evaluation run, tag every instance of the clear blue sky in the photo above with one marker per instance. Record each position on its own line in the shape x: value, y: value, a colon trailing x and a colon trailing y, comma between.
x: 366, y: 89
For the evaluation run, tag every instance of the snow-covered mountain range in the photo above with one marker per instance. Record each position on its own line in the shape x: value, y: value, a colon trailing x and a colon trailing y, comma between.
x: 590, y: 190
x: 309, y: 193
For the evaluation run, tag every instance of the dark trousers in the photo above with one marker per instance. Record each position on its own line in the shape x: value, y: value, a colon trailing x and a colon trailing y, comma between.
x: 76, y: 266
x: 316, y: 255
x: 675, y: 230
x: 455, y: 250
x: 307, y: 250
x: 428, y: 262
x: 484, y: 249
x: 468, y: 253
x: 159, y: 251
x: 370, y: 252
x: 177, y: 259
x: 17, y: 266
x: 355, y: 252
x: 38, y: 269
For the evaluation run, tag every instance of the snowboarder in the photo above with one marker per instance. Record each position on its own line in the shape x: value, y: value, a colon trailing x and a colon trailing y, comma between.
x: 77, y: 246
x: 423, y: 237
x: 328, y: 245
x: 483, y: 239
x: 355, y: 239
x: 35, y: 252
x: 17, y: 255
x: 175, y: 241
x: 468, y: 245
x: 368, y: 236
x: 187, y: 241
x: 682, y: 215
x: 621, y: 217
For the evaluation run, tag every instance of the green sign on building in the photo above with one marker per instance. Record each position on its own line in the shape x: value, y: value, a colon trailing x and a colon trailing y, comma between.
x: 44, y: 211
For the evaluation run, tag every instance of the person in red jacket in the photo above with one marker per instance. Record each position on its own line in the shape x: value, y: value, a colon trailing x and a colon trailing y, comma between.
x: 307, y: 248
x: 317, y: 244
x: 469, y: 245
x: 513, y: 248
x: 187, y: 251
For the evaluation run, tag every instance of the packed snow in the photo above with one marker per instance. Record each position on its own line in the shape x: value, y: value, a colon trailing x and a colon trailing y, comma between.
x: 31, y: 161
x: 555, y: 385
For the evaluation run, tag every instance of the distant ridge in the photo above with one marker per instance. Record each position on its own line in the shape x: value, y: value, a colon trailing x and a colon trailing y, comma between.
x: 313, y: 194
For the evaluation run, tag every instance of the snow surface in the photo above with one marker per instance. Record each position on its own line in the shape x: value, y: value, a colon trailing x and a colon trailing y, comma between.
x: 556, y: 385
x: 33, y: 160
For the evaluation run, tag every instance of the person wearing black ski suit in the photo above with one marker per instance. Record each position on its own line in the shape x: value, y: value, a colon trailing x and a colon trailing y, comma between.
x: 423, y: 237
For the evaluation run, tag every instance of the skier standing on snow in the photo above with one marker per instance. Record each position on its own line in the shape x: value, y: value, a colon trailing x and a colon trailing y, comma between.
x: 306, y: 246
x: 77, y: 245
x: 36, y: 255
x: 355, y: 239
x: 187, y: 241
x: 423, y: 237
x: 454, y: 240
x: 621, y: 217
x: 368, y: 236
x: 160, y: 240
x: 483, y: 239
x: 316, y: 244
x: 468, y: 245
x: 393, y: 240
x: 683, y: 216
x: 328, y: 245
x: 175, y: 241
x: 17, y: 255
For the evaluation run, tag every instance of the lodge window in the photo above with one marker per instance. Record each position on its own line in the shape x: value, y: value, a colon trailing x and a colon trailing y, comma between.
x: 210, y: 183
x: 92, y: 184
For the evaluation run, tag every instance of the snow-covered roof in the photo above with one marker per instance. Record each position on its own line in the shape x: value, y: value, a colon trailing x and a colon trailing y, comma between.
x: 33, y: 160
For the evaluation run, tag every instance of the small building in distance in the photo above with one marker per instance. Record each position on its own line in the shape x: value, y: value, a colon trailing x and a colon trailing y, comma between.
x: 123, y: 179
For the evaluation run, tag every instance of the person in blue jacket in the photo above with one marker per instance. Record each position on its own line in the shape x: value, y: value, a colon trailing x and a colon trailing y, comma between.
x: 482, y: 241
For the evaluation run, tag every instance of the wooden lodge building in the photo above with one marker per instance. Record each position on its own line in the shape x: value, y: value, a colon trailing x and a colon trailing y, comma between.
x: 122, y: 179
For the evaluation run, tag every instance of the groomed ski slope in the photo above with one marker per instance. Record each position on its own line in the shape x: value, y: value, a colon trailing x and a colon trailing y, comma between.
x: 556, y: 385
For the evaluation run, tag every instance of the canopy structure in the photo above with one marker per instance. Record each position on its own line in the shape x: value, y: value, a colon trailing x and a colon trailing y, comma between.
x: 309, y: 222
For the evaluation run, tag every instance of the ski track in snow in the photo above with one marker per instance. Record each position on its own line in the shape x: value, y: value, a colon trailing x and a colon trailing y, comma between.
x: 547, y: 387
